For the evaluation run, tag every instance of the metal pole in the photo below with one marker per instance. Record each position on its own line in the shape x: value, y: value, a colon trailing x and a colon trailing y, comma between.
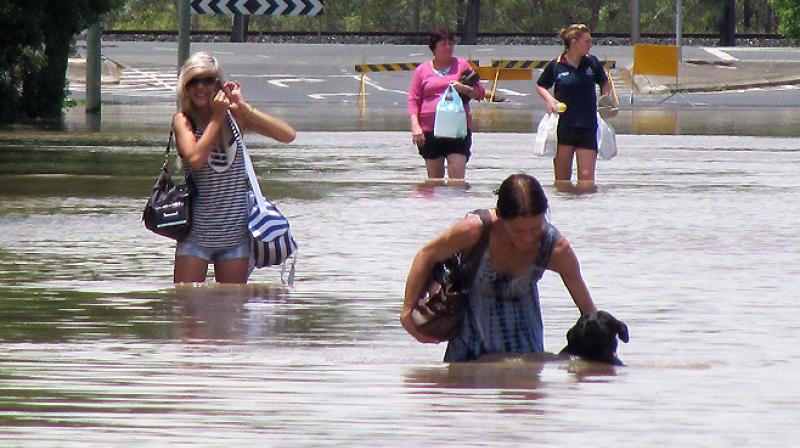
x: 635, y: 22
x: 93, y: 69
x: 184, y: 30
x: 678, y: 32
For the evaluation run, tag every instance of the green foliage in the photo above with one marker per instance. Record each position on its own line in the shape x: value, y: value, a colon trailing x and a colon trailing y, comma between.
x: 511, y: 16
x: 789, y: 13
x: 34, y: 47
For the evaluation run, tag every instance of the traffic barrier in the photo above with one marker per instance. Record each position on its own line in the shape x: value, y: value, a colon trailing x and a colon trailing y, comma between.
x: 522, y: 70
x: 388, y: 67
x: 657, y: 60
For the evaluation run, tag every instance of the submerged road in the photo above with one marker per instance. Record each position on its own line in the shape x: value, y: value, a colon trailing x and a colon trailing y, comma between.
x: 323, y: 75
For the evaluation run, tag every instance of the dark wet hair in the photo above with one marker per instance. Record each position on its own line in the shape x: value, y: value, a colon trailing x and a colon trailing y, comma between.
x: 520, y: 195
x: 441, y: 33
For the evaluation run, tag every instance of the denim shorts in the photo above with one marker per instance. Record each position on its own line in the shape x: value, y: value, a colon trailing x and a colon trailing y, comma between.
x: 213, y: 254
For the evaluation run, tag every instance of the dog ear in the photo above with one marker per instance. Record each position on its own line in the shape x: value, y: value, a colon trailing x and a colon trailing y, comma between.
x: 622, y: 331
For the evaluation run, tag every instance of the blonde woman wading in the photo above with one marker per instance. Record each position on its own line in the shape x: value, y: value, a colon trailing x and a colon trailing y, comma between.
x: 208, y: 150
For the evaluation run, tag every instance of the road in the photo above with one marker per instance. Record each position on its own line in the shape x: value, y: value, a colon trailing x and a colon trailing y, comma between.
x: 323, y: 75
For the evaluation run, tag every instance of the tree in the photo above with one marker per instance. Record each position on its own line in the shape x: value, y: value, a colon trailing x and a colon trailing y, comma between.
x: 34, y: 49
x: 789, y: 13
x: 471, y: 22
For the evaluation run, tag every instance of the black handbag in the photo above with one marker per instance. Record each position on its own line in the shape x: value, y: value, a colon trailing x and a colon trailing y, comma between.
x: 469, y: 78
x: 439, y: 312
x: 168, y: 211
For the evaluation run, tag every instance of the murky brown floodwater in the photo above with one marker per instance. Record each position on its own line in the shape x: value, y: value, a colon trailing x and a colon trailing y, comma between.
x: 691, y: 240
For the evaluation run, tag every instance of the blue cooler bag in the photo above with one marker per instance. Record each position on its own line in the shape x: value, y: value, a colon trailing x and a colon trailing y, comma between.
x: 451, y: 118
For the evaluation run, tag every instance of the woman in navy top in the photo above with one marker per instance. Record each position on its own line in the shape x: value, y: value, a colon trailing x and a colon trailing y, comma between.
x: 574, y: 75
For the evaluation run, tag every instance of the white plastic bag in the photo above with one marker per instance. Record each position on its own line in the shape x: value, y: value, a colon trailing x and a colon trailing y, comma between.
x: 546, y: 141
x: 606, y: 139
x: 451, y: 119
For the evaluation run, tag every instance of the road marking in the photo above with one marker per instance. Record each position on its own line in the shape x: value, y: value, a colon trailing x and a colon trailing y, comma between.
x: 152, y: 82
x: 512, y: 92
x: 720, y: 54
x: 282, y: 82
x: 377, y: 86
x: 322, y: 96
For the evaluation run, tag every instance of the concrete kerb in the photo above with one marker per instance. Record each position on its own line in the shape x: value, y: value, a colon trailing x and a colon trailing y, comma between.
x: 716, y: 76
x: 110, y: 71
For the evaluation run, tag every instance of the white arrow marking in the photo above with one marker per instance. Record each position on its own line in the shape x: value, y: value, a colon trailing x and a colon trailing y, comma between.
x: 377, y: 86
x: 321, y: 96
x: 281, y: 7
x: 298, y: 6
x: 262, y: 8
x: 317, y: 8
x: 282, y: 82
x: 240, y: 7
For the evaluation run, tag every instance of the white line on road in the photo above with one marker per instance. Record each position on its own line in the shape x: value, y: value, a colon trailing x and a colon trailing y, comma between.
x: 377, y: 86
x: 321, y: 96
x: 512, y: 92
x: 282, y: 82
x: 720, y: 54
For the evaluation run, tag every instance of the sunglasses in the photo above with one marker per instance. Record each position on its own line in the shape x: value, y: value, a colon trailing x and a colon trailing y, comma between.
x: 206, y: 81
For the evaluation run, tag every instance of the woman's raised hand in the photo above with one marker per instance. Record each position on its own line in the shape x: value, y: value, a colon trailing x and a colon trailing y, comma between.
x: 220, y: 104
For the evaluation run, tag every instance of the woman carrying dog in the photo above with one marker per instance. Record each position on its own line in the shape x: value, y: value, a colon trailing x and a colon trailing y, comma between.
x: 209, y: 152
x: 430, y: 80
x: 574, y: 75
x: 502, y: 313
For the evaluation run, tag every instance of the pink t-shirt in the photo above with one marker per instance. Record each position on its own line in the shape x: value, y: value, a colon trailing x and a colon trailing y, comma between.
x: 427, y: 87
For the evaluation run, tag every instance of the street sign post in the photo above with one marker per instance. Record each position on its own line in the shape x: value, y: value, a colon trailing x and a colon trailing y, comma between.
x: 258, y: 7
x: 240, y: 7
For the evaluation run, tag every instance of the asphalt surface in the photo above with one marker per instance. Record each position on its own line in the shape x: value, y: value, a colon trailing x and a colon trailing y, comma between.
x: 323, y: 75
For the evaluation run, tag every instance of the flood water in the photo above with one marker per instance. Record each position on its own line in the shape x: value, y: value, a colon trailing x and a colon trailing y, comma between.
x: 691, y: 240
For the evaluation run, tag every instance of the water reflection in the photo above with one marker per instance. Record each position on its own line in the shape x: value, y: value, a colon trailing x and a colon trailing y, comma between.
x: 97, y: 347
x: 223, y: 312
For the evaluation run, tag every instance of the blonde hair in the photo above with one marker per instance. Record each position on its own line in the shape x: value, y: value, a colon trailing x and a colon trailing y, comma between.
x: 197, y: 64
x: 571, y: 32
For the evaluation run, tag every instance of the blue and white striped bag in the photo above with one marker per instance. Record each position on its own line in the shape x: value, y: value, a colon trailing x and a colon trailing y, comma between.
x: 272, y: 237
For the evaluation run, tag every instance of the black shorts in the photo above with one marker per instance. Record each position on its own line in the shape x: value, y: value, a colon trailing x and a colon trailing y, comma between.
x: 436, y: 147
x: 577, y: 137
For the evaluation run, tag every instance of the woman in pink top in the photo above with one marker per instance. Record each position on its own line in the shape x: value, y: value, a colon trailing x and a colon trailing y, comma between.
x: 431, y: 78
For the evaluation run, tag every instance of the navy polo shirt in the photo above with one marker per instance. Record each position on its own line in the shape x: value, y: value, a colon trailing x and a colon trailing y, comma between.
x: 576, y: 88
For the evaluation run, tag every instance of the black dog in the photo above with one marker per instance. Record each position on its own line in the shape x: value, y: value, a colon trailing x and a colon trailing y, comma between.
x: 594, y: 338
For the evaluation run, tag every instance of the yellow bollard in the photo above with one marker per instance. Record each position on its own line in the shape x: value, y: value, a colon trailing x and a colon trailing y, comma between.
x: 494, y: 84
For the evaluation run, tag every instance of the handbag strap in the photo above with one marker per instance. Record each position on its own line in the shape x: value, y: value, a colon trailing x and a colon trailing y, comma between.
x: 248, y: 164
x: 473, y: 258
x: 169, y: 145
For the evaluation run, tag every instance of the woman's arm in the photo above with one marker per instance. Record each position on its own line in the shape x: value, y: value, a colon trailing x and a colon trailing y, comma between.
x: 195, y: 151
x: 414, y: 106
x: 268, y: 126
x: 550, y: 103
x: 461, y: 236
x: 417, y: 134
x: 248, y: 117
x: 565, y: 263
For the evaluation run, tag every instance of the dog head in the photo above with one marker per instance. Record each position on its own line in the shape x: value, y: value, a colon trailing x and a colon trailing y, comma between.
x: 594, y: 337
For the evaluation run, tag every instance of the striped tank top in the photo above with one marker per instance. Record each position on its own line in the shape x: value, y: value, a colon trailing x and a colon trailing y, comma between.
x: 219, y: 211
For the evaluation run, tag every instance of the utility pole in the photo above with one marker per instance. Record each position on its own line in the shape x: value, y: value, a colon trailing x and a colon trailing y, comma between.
x: 93, y: 69
x: 678, y: 30
x: 184, y: 30
x: 727, y: 31
x: 635, y: 22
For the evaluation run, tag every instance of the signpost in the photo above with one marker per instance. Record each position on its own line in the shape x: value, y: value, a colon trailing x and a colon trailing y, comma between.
x: 240, y: 7
x: 258, y: 7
